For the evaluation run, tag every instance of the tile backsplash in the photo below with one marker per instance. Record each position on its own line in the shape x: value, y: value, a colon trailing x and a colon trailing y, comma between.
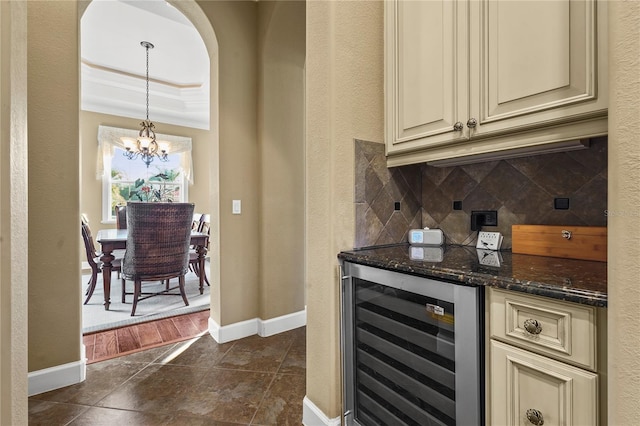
x: 521, y: 190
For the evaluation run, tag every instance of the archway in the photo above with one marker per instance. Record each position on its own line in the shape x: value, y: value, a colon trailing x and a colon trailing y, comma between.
x: 207, y: 138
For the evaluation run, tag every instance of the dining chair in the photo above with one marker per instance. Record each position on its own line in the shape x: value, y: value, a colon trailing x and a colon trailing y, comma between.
x: 204, y: 226
x: 195, y: 224
x: 93, y: 259
x: 157, y: 248
x: 121, y: 216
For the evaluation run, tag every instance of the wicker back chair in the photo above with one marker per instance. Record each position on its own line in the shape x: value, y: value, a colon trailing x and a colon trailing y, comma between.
x: 93, y: 258
x: 121, y: 216
x: 157, y: 247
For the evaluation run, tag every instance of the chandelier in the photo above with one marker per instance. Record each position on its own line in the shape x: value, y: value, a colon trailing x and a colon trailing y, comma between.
x: 145, y: 145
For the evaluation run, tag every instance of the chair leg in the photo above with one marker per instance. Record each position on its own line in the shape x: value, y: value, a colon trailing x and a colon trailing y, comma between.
x: 203, y: 271
x: 137, y: 289
x: 92, y: 284
x: 184, y: 295
x: 124, y: 290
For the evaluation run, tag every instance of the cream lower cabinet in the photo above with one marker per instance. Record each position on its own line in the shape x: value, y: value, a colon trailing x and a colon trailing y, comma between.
x: 470, y: 78
x: 529, y: 389
x: 545, y: 365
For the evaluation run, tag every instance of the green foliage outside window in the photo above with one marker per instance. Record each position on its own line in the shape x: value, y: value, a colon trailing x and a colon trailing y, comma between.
x: 158, y: 188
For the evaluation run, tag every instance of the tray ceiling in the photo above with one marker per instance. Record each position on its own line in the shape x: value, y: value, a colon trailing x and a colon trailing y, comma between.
x: 113, y: 63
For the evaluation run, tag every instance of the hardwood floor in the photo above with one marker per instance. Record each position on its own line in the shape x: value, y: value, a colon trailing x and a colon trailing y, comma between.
x: 109, y: 344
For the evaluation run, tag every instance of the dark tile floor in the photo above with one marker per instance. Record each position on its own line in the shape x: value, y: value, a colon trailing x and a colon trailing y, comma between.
x: 252, y: 381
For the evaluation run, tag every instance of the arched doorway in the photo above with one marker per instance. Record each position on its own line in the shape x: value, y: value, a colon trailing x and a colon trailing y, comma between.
x: 185, y: 16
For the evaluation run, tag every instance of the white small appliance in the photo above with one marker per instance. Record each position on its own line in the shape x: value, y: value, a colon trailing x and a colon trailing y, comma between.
x: 426, y: 237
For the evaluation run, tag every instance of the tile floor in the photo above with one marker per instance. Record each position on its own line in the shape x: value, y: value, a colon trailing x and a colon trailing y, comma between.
x: 252, y: 381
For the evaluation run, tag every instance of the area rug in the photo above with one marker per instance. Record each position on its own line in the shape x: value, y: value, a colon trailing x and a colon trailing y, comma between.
x: 95, y: 318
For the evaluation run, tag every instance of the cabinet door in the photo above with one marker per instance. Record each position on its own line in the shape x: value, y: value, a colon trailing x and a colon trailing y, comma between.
x: 521, y: 381
x: 535, y: 64
x: 425, y: 73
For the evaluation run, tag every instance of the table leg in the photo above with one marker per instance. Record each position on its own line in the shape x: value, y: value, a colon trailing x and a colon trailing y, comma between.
x: 202, y: 251
x: 106, y: 259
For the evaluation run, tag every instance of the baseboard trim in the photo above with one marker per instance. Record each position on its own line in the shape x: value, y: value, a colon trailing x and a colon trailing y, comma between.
x: 231, y: 332
x: 313, y: 416
x: 57, y: 377
x: 281, y: 324
x: 263, y: 328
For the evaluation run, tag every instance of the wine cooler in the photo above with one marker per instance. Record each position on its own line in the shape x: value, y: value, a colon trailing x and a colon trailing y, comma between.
x: 411, y: 348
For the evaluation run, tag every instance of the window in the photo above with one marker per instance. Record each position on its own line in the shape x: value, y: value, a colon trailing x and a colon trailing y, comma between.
x: 126, y: 180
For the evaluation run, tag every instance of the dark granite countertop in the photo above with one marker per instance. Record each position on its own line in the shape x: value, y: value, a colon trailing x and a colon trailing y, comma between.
x: 579, y: 281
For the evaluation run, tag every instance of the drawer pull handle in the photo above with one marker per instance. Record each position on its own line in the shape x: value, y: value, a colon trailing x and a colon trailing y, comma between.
x: 535, y: 417
x: 532, y: 326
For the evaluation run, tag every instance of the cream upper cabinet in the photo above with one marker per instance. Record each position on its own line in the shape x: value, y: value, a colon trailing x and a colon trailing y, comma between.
x: 475, y: 77
x: 426, y: 46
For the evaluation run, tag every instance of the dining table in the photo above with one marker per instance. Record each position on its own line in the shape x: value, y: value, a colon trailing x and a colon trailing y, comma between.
x: 116, y: 239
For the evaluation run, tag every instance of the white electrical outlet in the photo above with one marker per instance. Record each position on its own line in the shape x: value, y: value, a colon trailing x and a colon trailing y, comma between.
x: 489, y: 240
x: 489, y: 258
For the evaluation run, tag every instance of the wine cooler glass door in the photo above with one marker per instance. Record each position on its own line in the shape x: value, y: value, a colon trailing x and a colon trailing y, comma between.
x: 413, y: 360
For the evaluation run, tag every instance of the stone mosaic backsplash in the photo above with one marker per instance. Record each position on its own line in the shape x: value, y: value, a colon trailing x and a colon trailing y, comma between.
x: 521, y: 190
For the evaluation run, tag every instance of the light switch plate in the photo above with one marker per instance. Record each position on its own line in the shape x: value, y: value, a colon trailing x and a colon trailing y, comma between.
x: 236, y: 207
x: 489, y: 240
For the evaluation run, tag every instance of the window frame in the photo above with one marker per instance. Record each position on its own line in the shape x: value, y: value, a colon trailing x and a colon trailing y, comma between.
x: 107, y: 216
x: 110, y: 139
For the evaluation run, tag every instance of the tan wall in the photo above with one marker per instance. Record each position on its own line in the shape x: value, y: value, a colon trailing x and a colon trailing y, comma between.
x: 624, y: 226
x: 91, y: 188
x: 13, y: 207
x: 53, y: 129
x: 344, y: 100
x: 235, y: 25
x: 281, y: 134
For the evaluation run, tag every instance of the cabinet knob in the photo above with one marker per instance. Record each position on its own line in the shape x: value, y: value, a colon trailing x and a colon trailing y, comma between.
x: 535, y: 417
x: 458, y: 126
x: 471, y: 123
x: 532, y: 326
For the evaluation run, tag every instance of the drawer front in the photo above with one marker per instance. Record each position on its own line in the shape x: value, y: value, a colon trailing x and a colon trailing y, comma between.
x: 561, y: 330
x: 529, y: 389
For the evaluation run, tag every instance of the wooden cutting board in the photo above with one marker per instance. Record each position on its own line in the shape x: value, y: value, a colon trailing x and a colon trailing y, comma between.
x: 572, y: 242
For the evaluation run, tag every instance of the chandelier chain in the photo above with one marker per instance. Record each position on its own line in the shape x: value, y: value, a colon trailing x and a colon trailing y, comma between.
x: 147, y: 48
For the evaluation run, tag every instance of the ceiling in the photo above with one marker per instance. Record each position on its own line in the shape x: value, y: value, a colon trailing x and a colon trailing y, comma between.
x: 113, y: 63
